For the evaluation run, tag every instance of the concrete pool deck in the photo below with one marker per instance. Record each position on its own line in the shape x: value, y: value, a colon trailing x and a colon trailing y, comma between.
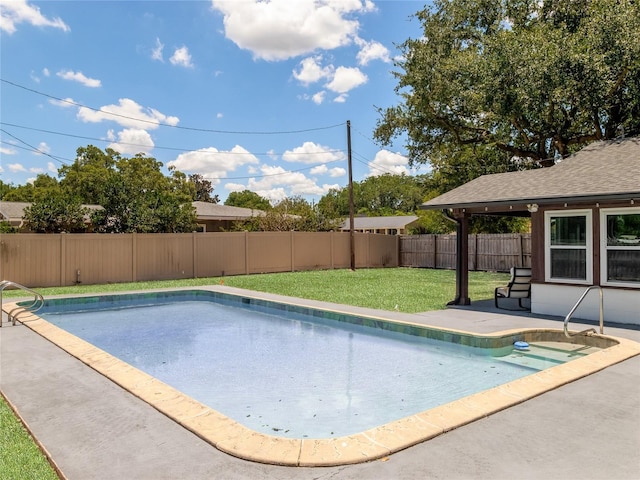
x: 94, y: 429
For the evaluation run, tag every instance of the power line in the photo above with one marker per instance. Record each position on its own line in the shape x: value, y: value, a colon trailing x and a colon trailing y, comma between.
x: 273, y: 174
x: 71, y: 135
x: 37, y: 150
x: 207, y: 130
x: 33, y: 149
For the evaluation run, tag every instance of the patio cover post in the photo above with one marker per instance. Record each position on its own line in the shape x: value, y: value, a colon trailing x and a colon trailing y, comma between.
x: 462, y: 259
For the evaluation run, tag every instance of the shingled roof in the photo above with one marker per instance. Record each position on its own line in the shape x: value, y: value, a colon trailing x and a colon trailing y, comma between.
x: 370, y: 223
x: 606, y: 170
x: 214, y: 211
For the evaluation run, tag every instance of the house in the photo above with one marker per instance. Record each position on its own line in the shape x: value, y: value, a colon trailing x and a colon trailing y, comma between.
x: 13, y: 212
x: 585, y: 228
x: 210, y: 216
x: 386, y: 225
x: 213, y: 217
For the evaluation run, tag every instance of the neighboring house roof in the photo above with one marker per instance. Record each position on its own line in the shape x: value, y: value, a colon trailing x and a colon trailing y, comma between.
x: 370, y: 223
x: 13, y: 211
x: 605, y: 170
x: 214, y: 211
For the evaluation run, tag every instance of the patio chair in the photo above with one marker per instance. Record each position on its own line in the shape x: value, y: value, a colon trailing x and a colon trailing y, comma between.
x: 519, y: 286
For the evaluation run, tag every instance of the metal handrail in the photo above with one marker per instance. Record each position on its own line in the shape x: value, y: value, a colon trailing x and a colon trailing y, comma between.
x: 36, y: 304
x: 589, y: 330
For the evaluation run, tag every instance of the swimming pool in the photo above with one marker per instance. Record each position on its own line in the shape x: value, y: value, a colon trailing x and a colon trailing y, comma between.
x: 406, y: 428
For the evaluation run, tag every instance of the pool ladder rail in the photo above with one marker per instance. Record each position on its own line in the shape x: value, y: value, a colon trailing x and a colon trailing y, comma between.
x: 588, y: 330
x: 14, y: 313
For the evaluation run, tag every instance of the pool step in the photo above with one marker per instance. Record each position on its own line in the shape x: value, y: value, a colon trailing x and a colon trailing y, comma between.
x: 543, y: 355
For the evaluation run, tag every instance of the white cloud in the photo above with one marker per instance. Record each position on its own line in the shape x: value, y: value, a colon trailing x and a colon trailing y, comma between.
x: 64, y: 103
x: 212, y: 163
x: 51, y: 167
x: 16, y: 167
x: 36, y: 170
x: 234, y: 187
x: 346, y: 79
x: 337, y: 172
x: 7, y: 151
x: 310, y: 152
x: 373, y: 50
x: 311, y: 71
x: 127, y: 113
x: 282, y: 29
x: 19, y: 11
x: 42, y: 149
x: 181, y: 57
x: 324, y: 170
x: 156, y: 53
x: 318, y: 98
x: 46, y: 72
x: 275, y: 180
x: 80, y: 78
x: 319, y: 170
x: 131, y: 141
x: 341, y: 98
x: 388, y: 162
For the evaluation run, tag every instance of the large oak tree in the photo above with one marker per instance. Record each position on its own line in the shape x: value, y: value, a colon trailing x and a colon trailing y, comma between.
x: 526, y: 80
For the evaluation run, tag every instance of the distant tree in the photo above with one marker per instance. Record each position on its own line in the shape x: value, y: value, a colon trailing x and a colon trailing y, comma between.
x: 376, y: 196
x: 88, y: 175
x: 531, y: 79
x: 5, y: 188
x: 53, y: 211
x: 27, y: 192
x: 203, y: 189
x: 248, y: 199
x: 292, y: 213
x: 6, y: 227
x: 137, y: 197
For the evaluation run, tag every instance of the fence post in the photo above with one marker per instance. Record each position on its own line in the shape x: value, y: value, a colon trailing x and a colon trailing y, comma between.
x: 293, y: 248
x: 332, y: 251
x: 475, y: 259
x: 435, y: 250
x: 194, y: 254
x: 134, y: 257
x: 246, y: 252
x: 63, y: 260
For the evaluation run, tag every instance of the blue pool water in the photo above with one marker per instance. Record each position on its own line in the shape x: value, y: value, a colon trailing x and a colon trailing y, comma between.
x: 285, y: 373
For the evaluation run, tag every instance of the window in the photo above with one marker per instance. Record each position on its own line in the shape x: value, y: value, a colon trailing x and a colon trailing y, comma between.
x: 620, y: 243
x: 568, y: 246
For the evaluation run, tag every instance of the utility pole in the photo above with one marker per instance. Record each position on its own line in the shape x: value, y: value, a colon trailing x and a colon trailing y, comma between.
x: 352, y: 243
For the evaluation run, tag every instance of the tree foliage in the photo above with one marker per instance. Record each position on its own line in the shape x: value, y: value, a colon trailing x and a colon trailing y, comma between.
x: 292, y: 213
x: 28, y: 192
x: 376, y: 196
x: 134, y: 194
x: 203, y: 189
x: 54, y: 212
x: 532, y: 79
x: 248, y: 199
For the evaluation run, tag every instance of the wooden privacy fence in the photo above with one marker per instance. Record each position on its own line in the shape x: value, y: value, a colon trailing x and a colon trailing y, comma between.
x: 39, y: 260
x: 487, y: 252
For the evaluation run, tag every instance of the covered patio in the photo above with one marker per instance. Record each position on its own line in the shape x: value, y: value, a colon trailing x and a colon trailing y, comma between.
x: 585, y: 228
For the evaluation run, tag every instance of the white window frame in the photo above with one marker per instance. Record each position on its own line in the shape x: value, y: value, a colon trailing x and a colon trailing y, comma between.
x: 604, y: 247
x: 588, y: 247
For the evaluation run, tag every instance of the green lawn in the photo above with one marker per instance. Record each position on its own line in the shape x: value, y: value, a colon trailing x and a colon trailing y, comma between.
x: 410, y: 289
x: 20, y: 458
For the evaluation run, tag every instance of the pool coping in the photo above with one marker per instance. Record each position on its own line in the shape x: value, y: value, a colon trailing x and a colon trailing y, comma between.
x: 238, y: 440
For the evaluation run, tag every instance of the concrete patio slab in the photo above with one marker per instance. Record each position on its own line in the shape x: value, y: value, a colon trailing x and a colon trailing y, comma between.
x: 93, y: 429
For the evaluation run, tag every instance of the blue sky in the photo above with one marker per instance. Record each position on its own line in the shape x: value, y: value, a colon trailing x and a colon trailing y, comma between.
x: 249, y: 94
